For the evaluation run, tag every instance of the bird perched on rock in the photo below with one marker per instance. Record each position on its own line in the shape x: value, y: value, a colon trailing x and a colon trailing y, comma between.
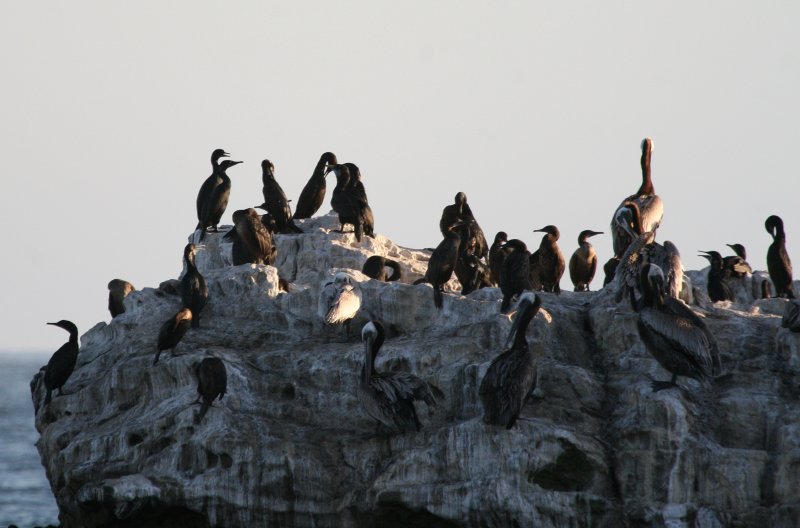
x: 215, y: 201
x: 313, y: 194
x: 389, y: 397
x: 778, y: 263
x: 275, y: 202
x: 650, y: 204
x: 172, y: 331
x: 194, y: 291
x: 356, y: 189
x: 515, y: 275
x: 497, y: 255
x: 210, y: 183
x: 718, y: 288
x: 610, y: 269
x: 62, y: 362
x: 350, y: 203
x: 118, y: 289
x: 583, y: 262
x: 375, y: 267
x: 339, y: 301
x: 551, y: 260
x: 511, y: 377
x: 736, y: 265
x: 212, y: 383
x: 443, y: 262
x: 678, y: 339
x: 460, y: 211
x: 252, y: 241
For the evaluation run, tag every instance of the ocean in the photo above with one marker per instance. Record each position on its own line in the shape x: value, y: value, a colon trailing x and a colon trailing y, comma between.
x: 25, y: 497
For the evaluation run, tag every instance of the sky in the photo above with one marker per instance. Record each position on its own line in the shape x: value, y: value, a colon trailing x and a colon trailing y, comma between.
x: 109, y: 112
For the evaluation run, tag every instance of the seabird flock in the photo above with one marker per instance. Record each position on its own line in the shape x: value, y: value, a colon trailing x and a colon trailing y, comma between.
x: 642, y: 272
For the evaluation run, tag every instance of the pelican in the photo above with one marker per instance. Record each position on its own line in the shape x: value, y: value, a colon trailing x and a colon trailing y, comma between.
x: 650, y: 204
x: 339, y: 301
x: 512, y: 375
x: 676, y: 337
x: 389, y: 397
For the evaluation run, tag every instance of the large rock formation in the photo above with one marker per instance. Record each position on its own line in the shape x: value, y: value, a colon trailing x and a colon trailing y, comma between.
x: 290, y: 446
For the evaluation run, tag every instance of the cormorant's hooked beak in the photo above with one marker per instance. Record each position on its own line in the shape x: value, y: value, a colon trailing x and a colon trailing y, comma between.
x: 225, y: 155
x: 596, y: 233
x: 235, y: 163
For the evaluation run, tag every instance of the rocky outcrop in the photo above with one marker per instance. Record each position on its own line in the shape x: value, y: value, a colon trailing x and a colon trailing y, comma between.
x: 290, y: 446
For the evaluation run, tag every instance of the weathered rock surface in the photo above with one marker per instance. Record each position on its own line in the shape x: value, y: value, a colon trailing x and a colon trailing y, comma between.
x: 290, y: 446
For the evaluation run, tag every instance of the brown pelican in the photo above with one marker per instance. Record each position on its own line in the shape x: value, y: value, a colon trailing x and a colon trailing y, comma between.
x: 375, y: 267
x: 389, y: 397
x: 194, y: 292
x: 118, y: 289
x: 217, y: 201
x: 678, y: 339
x: 652, y: 209
x: 62, y: 362
x: 511, y: 377
x: 313, y: 193
x: 778, y: 263
x: 497, y: 255
x: 551, y: 260
x: 515, y: 275
x: 339, y: 301
x: 736, y: 265
x: 172, y: 331
x: 583, y: 262
x: 212, y: 383
x: 718, y: 289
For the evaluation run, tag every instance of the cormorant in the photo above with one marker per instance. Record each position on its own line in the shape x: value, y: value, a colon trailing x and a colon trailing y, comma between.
x: 718, y: 289
x: 459, y: 211
x: 62, y: 362
x: 275, y: 202
x: 194, y: 292
x: 389, y: 397
x: 118, y: 289
x: 650, y: 204
x: 515, y: 275
x: 347, y: 202
x: 204, y: 195
x: 375, y: 267
x: 736, y: 265
x: 339, y: 301
x: 172, y: 331
x: 610, y: 269
x: 511, y: 377
x: 214, y: 207
x: 443, y: 262
x: 551, y: 260
x: 778, y: 263
x: 583, y: 262
x: 356, y: 189
x: 212, y: 382
x: 313, y: 193
x: 497, y: 255
x: 256, y: 239
x: 470, y: 270
x: 677, y: 338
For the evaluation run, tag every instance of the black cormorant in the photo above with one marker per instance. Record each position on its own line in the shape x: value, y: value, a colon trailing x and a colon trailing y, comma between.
x: 515, y: 275
x: 718, y: 289
x: 460, y: 211
x: 172, y: 331
x: 650, y: 204
x: 118, y: 289
x: 583, y: 262
x: 313, y: 194
x: 375, y: 267
x: 355, y: 188
x: 497, y: 255
x: 256, y: 239
x: 511, y: 377
x: 212, y: 382
x: 204, y: 195
x: 778, y: 263
x: 62, y: 362
x: 194, y: 292
x: 673, y: 333
x: 551, y: 260
x: 389, y: 397
x: 610, y: 269
x: 275, y: 202
x: 736, y: 265
x: 443, y: 262
x: 214, y: 207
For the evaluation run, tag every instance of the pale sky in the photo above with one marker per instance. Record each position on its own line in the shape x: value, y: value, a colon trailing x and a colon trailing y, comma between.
x: 110, y: 110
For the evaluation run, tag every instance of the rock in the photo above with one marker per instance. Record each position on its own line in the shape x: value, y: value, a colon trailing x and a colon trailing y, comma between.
x: 289, y: 444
